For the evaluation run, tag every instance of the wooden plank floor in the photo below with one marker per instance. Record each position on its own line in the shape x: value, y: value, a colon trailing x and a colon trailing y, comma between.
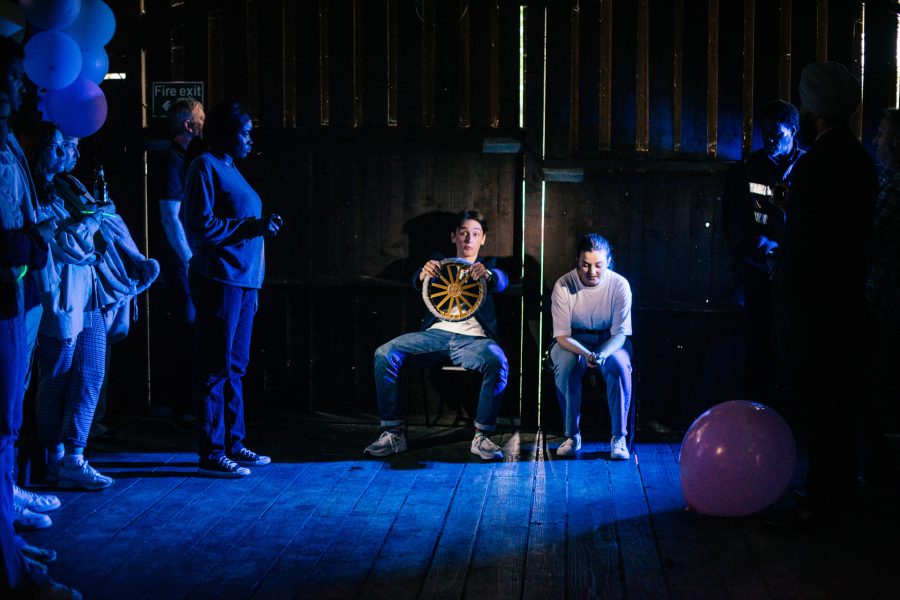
x: 436, y: 522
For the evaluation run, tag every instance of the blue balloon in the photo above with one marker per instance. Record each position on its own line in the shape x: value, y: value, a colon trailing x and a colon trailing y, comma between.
x: 79, y: 109
x: 94, y: 64
x: 50, y: 14
x: 52, y: 59
x: 94, y: 26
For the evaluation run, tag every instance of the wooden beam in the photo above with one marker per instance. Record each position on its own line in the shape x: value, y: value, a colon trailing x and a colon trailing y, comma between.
x: 494, y: 108
x: 605, y: 83
x: 677, y: 73
x: 784, y: 51
x: 642, y: 83
x: 324, y: 74
x: 392, y: 63
x: 822, y: 31
x: 428, y: 58
x: 289, y: 63
x: 574, y: 79
x: 859, y: 30
x: 358, y: 53
x: 712, y: 82
x: 464, y: 115
x: 748, y: 80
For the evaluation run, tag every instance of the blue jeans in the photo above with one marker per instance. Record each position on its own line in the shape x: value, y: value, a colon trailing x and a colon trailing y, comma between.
x: 431, y: 347
x: 224, y: 326
x: 16, y: 575
x: 568, y: 371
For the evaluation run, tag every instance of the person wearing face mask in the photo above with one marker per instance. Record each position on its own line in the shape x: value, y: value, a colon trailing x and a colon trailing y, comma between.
x: 591, y: 308
x: 226, y: 230
x: 754, y: 218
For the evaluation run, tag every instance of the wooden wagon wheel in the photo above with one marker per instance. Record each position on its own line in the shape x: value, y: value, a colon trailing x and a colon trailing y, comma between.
x: 452, y: 295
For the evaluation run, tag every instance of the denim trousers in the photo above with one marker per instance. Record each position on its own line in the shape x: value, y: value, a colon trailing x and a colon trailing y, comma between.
x: 16, y: 575
x: 434, y: 346
x: 569, y: 370
x: 224, y: 327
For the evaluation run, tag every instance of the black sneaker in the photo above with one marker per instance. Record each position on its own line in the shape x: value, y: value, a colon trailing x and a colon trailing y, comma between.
x: 222, y: 467
x: 245, y: 456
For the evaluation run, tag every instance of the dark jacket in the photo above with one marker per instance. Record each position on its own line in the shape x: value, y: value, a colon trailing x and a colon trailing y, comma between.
x: 486, y: 314
x: 750, y: 205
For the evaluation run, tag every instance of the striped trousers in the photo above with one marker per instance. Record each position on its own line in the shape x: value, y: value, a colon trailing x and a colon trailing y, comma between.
x: 71, y: 374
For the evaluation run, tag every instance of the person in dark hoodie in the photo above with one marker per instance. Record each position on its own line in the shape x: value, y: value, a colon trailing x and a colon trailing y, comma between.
x: 471, y: 343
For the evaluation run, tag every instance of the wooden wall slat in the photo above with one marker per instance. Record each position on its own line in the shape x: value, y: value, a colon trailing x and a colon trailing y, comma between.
x: 429, y: 17
x: 464, y: 110
x: 856, y: 65
x: 392, y: 41
x: 712, y: 81
x: 642, y: 95
x: 695, y: 79
x: 251, y: 34
x: 324, y: 64
x: 624, y: 91
x: 677, y: 75
x: 661, y: 70
x: 784, y: 41
x: 494, y: 94
x: 575, y: 78
x: 358, y: 70
x: 749, y: 40
x: 289, y: 63
x: 822, y: 30
x: 605, y: 33
x: 215, y: 73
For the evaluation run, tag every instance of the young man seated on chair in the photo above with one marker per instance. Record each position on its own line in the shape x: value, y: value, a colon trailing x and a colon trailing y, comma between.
x: 470, y: 343
x: 591, y: 307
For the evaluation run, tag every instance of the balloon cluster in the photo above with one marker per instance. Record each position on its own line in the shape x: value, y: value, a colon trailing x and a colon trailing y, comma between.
x: 65, y: 57
x: 736, y: 459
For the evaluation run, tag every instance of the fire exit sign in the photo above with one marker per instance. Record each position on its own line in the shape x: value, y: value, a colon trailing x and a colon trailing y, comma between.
x: 164, y: 93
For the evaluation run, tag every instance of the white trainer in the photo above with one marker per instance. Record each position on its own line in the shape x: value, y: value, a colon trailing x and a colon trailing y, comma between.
x: 570, y: 446
x: 387, y: 443
x: 37, y: 502
x: 618, y: 448
x: 82, y: 476
x: 483, y: 446
x: 24, y: 519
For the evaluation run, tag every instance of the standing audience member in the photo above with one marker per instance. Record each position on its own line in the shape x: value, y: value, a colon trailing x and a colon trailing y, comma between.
x: 883, y: 299
x: 821, y: 278
x: 29, y: 507
x: 122, y: 271
x: 591, y: 307
x: 185, y: 119
x: 225, y: 229
x: 23, y: 247
x: 471, y: 343
x: 753, y: 212
x: 72, y: 338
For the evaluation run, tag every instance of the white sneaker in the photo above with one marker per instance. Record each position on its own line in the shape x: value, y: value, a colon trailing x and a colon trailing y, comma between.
x: 36, y: 502
x: 483, y: 446
x: 249, y: 458
x: 27, y: 519
x: 82, y: 476
x: 387, y: 443
x: 570, y: 446
x: 618, y: 448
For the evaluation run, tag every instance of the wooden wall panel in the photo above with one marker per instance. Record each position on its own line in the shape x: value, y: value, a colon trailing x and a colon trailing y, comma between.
x: 559, y: 81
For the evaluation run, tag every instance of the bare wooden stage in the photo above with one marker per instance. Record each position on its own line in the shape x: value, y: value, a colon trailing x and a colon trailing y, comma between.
x: 435, y: 522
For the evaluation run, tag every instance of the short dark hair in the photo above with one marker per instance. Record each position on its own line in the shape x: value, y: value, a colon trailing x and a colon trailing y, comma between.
x: 471, y: 215
x: 180, y: 111
x: 780, y: 113
x: 10, y: 51
x: 223, y: 123
x: 594, y: 242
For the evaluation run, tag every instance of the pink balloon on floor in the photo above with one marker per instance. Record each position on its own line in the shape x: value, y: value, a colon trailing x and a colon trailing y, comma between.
x: 736, y: 459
